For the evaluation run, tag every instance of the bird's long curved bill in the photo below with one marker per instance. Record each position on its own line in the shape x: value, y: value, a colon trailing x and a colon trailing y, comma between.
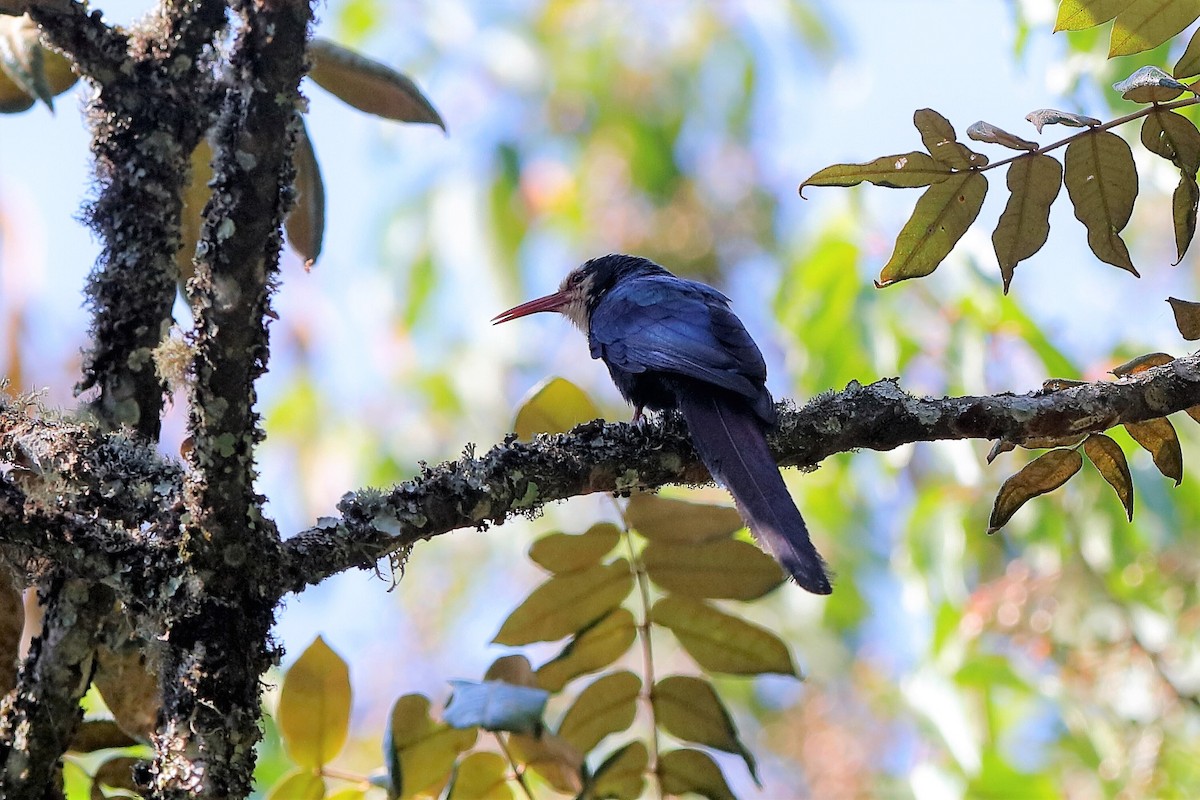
x: 551, y: 302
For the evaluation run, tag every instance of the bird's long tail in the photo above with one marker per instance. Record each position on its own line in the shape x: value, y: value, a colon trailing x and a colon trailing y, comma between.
x: 729, y: 438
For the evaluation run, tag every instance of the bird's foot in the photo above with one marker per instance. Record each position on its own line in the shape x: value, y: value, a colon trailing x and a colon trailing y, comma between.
x: 639, y: 419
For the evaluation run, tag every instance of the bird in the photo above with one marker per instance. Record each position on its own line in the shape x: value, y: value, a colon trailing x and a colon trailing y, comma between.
x: 674, y: 343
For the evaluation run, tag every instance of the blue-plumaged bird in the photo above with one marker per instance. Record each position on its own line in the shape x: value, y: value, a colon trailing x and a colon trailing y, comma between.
x: 671, y: 343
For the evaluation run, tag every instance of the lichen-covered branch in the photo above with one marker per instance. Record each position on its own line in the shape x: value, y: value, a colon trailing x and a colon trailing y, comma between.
x: 94, y: 49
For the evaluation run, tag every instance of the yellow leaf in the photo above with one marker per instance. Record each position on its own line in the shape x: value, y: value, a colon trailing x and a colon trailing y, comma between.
x: 12, y: 621
x: 730, y: 569
x: 594, y: 648
x: 553, y: 406
x: 195, y: 196
x: 305, y: 223
x: 683, y: 771
x: 1102, y: 183
x: 1076, y: 15
x: 368, y: 85
x: 1188, y: 65
x: 552, y: 758
x: 721, y: 642
x: 901, y: 171
x: 421, y: 752
x: 1142, y: 363
x: 688, y: 708
x: 1145, y: 24
x: 941, y: 217
x: 567, y: 604
x: 563, y: 552
x: 299, y: 784
x: 664, y: 519
x: 939, y: 138
x: 1158, y: 437
x: 314, y: 706
x: 1109, y: 458
x: 1187, y: 317
x: 511, y: 669
x: 481, y: 776
x: 1033, y: 184
x: 1044, y: 474
x: 623, y: 774
x: 128, y: 681
x: 606, y: 706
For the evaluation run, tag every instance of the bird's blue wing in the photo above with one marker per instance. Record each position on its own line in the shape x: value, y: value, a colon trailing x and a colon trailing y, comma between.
x: 667, y: 324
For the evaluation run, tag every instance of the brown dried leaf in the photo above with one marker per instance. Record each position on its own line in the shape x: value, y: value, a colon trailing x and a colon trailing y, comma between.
x: 1159, y: 439
x: 1033, y: 184
x: 305, y: 223
x: 369, y: 85
x: 1109, y: 458
x: 1142, y: 363
x: 902, y: 171
x: 1052, y: 116
x: 987, y: 132
x: 939, y: 138
x: 1102, y: 183
x: 1044, y: 474
x: 1187, y: 317
x: 941, y: 217
x: 128, y: 682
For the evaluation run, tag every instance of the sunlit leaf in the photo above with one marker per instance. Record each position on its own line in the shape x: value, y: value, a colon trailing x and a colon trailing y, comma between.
x: 669, y: 520
x: 551, y: 757
x: 299, y: 784
x: 1033, y: 184
x: 1159, y: 439
x: 1188, y: 65
x: 593, y: 649
x: 1187, y: 317
x: 721, y: 642
x: 13, y: 99
x: 566, y: 604
x: 683, y: 771
x: 901, y: 171
x: 562, y: 552
x: 987, y: 132
x: 1174, y: 137
x: 1142, y: 363
x: 314, y: 706
x: 622, y: 775
x: 22, y: 57
x: 1044, y: 474
x: 514, y: 669
x: 1145, y: 24
x: 688, y: 708
x: 368, y: 85
x: 941, y: 217
x: 1076, y: 15
x: 12, y: 620
x: 481, y: 776
x: 939, y: 138
x: 496, y: 706
x: 553, y: 406
x: 1149, y: 85
x: 1102, y: 182
x: 1052, y: 116
x: 1184, y: 204
x: 195, y: 195
x: 128, y: 681
x: 305, y: 223
x: 606, y: 706
x: 419, y: 752
x: 726, y: 568
x: 1110, y: 460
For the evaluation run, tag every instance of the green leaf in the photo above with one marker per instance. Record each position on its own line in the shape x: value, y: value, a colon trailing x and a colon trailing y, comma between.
x: 566, y: 604
x: 419, y: 752
x: 668, y: 520
x: 552, y: 758
x: 901, y: 171
x: 684, y: 771
x: 622, y: 775
x: 1109, y: 458
x: 563, y: 552
x: 1184, y: 204
x: 1102, y: 183
x: 721, y: 642
x: 1187, y: 317
x: 608, y: 705
x: 688, y: 708
x: 1052, y: 116
x: 1159, y: 439
x: 314, y: 706
x: 1145, y: 24
x: 1044, y: 474
x: 941, y: 217
x: 1076, y: 15
x: 481, y: 776
x: 1149, y: 85
x: 553, y: 406
x: 299, y: 784
x: 1174, y: 137
x: 1033, y: 184
x: 369, y: 85
x: 987, y: 132
x: 594, y: 648
x: 1188, y: 65
x: 496, y: 706
x: 939, y: 138
x: 305, y: 223
x: 730, y: 569
x: 22, y: 57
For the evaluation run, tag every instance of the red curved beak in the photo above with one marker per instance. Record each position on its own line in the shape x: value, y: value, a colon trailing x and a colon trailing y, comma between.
x: 551, y: 302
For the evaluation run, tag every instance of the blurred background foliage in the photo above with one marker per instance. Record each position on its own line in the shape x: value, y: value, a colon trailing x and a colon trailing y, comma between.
x: 1057, y: 658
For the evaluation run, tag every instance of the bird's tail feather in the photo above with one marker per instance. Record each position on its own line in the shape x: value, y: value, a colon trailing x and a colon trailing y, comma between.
x: 730, y: 440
